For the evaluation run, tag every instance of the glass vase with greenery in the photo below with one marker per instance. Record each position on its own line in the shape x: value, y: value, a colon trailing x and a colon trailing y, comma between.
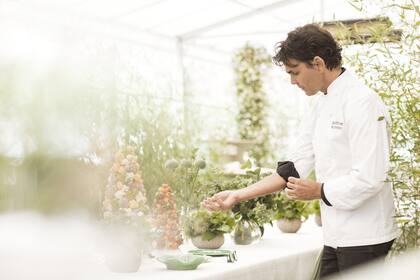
x: 250, y: 213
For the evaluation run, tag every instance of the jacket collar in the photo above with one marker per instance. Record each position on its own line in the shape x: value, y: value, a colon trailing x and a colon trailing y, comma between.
x: 339, y: 82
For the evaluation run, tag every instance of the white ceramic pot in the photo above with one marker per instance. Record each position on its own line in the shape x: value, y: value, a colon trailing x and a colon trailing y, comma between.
x: 289, y: 226
x: 123, y: 260
x: 123, y: 249
x: 214, y: 243
x: 318, y: 220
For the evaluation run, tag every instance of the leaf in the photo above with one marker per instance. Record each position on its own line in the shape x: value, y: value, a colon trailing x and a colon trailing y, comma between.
x: 224, y: 228
x: 208, y: 236
x: 247, y: 164
x: 381, y: 118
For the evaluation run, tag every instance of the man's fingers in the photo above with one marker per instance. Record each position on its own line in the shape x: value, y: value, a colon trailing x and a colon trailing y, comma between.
x: 221, y: 204
x: 205, y: 204
x: 291, y: 186
x: 212, y: 206
x: 291, y: 194
x: 294, y: 180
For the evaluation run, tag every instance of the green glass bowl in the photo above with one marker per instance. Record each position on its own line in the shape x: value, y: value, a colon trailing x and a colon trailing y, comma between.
x: 181, y: 262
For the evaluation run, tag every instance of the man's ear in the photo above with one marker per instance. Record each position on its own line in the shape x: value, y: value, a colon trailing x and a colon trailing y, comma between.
x: 318, y: 63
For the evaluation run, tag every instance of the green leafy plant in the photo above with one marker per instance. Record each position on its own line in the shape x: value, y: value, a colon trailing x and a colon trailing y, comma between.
x: 290, y: 209
x: 207, y: 224
x: 185, y: 180
x: 249, y: 64
x: 315, y: 207
x: 259, y: 210
x: 158, y: 136
x: 392, y: 70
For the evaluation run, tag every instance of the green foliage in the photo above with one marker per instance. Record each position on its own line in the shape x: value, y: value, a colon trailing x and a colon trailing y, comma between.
x: 290, y: 209
x: 209, y: 224
x: 159, y: 136
x: 392, y: 70
x: 184, y: 179
x: 249, y: 64
x: 315, y: 207
x: 62, y: 112
x: 260, y: 210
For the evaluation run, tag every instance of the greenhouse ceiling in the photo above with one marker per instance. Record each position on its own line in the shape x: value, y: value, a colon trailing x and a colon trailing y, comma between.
x: 217, y: 25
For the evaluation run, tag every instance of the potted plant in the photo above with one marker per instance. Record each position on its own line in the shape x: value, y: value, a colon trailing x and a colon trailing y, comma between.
x: 290, y: 213
x: 207, y: 228
x: 316, y: 210
x: 250, y: 215
x: 125, y: 213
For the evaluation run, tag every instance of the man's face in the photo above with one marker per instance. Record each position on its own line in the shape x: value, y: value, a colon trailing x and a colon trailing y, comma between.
x: 306, y: 77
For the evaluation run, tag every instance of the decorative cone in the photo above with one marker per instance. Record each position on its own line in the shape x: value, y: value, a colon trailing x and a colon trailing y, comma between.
x: 125, y: 196
x: 166, y: 220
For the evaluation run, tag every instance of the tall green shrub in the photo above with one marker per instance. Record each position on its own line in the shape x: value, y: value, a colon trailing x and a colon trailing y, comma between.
x: 157, y: 135
x: 392, y: 70
x: 249, y: 64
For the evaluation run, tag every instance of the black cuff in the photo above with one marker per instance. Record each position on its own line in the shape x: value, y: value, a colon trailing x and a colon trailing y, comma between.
x: 323, y: 197
x: 287, y: 169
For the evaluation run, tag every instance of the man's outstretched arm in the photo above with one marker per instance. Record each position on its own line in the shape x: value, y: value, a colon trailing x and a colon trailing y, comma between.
x: 227, y: 199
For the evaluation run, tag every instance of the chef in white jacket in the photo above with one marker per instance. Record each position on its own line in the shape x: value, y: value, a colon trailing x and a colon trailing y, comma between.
x: 345, y: 139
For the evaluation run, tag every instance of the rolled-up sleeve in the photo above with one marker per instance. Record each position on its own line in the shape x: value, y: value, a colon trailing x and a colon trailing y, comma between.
x: 369, y: 144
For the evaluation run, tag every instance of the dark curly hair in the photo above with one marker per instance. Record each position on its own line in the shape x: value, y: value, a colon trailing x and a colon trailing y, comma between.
x: 306, y: 42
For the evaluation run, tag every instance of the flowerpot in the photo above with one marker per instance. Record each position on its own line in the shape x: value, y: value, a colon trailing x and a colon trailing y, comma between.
x: 289, y: 226
x: 123, y: 249
x: 123, y: 260
x: 318, y: 220
x: 214, y: 243
x: 246, y: 232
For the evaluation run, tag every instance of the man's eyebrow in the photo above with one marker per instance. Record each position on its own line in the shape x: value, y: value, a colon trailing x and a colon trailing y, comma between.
x: 291, y: 66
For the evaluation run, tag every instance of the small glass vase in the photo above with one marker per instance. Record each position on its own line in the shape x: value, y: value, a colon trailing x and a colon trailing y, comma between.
x: 246, y: 232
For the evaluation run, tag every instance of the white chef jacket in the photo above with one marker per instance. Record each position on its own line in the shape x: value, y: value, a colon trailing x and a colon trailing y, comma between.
x: 346, y: 139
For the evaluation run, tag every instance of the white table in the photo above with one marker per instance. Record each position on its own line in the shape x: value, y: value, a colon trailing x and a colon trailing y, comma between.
x: 37, y: 249
x: 277, y: 256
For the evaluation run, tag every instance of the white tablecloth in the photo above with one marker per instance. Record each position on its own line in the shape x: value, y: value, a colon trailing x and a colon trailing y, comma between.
x: 33, y: 247
x: 277, y: 256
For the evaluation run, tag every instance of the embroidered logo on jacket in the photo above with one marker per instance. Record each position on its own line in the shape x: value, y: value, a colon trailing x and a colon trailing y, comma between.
x: 337, y: 125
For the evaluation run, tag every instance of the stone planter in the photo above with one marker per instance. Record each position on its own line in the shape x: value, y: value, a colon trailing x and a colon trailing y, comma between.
x: 289, y: 226
x: 214, y: 243
x: 318, y: 220
x: 246, y: 232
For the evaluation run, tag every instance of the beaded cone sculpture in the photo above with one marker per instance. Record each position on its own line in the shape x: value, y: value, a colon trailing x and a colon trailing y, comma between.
x: 125, y: 196
x: 166, y: 220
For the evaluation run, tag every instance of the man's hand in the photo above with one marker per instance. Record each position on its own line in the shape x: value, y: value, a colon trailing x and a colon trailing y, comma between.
x: 224, y: 200
x: 301, y: 189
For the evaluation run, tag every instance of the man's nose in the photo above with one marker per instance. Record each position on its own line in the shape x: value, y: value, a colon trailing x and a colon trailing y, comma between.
x: 292, y: 81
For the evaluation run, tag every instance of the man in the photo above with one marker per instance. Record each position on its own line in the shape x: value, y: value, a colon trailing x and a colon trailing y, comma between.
x: 345, y: 139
